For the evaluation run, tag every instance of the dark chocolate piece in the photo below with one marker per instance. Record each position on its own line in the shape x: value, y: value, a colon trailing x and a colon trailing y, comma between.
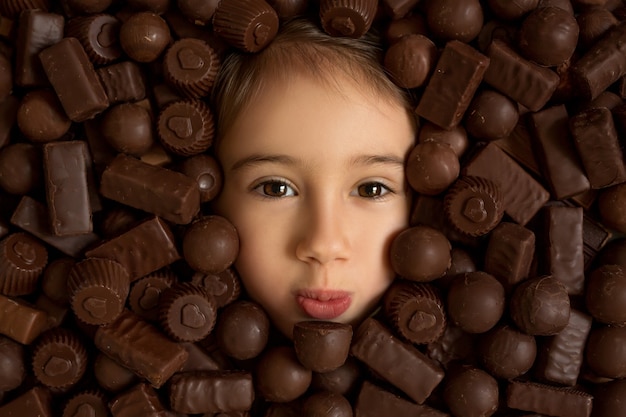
x: 604, y: 352
x: 280, y: 377
x: 322, y: 346
x: 509, y: 10
x: 491, y: 116
x: 91, y: 403
x: 247, y: 25
x: 523, y: 81
x: 509, y: 253
x: 35, y: 402
x: 20, y: 168
x: 597, y: 142
x: 593, y: 23
x: 12, y: 366
x: 198, y: 359
x: 186, y: 127
x: 519, y: 146
x: 74, y: 79
x: 200, y: 13
x: 141, y: 400
x: 141, y: 348
x: 191, y: 65
x: 187, y: 312
x: 59, y: 359
x: 507, y: 353
x: 609, y: 399
x: 343, y: 380
x: 326, y: 404
x: 41, y: 117
x: 211, y: 244
x: 449, y: 91
x: 410, y: 60
x: 22, y: 261
x: 144, y: 36
x: 127, y: 128
x: 348, y: 18
x: 548, y: 399
x: 456, y: 19
x: 242, y: 330
x: 610, y: 204
x: 420, y: 253
x: 208, y: 174
x: 605, y: 294
x: 560, y: 163
x: 8, y: 115
x: 522, y: 195
x: 98, y: 34
x: 161, y: 191
x: 65, y: 168
x: 20, y: 321
x: 111, y: 375
x: 431, y: 167
x: 397, y: 362
x: 471, y: 391
x: 211, y: 392
x: 224, y: 287
x: 122, y: 82
x: 374, y: 401
x: 146, y: 292
x: 456, y: 137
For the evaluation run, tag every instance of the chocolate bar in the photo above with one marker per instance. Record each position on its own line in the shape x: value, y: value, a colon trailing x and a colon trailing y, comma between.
x: 374, y: 401
x: 548, y: 399
x: 509, y: 254
x: 20, y: 321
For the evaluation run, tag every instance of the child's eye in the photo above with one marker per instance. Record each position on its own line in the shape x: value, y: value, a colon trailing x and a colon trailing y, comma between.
x: 275, y: 189
x: 373, y: 190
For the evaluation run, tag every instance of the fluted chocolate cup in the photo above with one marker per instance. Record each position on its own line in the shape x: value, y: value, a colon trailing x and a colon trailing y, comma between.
x: 98, y: 34
x: 349, y: 18
x: 190, y: 65
x: 322, y: 346
x: 249, y: 25
x: 22, y: 261
x: 59, y: 359
x: 187, y: 312
x: 186, y: 127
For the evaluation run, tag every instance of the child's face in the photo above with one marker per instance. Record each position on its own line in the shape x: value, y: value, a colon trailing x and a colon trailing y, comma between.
x: 314, y: 183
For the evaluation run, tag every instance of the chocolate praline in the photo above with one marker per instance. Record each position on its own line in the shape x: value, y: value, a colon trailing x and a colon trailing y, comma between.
x: 420, y: 253
x: 88, y: 6
x: 242, y: 330
x: 491, y: 116
x: 12, y: 366
x: 410, y: 60
x: 127, y: 127
x: 456, y: 137
x: 41, y: 117
x: 605, y: 354
x: 327, y: 404
x: 20, y: 168
x: 198, y: 11
x: 210, y: 244
x: 110, y: 375
x: 609, y: 399
x: 322, y: 346
x: 507, y: 353
x: 605, y: 296
x: 431, y: 167
x: 471, y: 392
x: 593, y: 23
x: 510, y: 10
x: 455, y: 19
x: 144, y: 36
x: 343, y: 380
x: 613, y: 253
x: 280, y: 376
x: 610, y: 206
x: 6, y: 77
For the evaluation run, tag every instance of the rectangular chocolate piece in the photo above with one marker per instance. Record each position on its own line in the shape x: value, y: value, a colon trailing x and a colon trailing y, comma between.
x: 143, y: 249
x: 598, y: 145
x: 32, y: 216
x: 20, y: 321
x: 166, y: 193
x: 396, y: 361
x: 141, y: 347
x: 374, y: 401
x: 123, y: 82
x: 518, y: 145
x: 74, y: 79
x: 64, y: 164
x: 521, y: 80
x: 211, y: 392
x: 457, y: 75
x: 141, y: 400
x: 510, y: 253
x: 560, y: 357
x: 523, y: 196
x: 37, y: 30
x: 555, y: 150
x: 595, y: 236
x: 548, y: 399
x: 36, y: 402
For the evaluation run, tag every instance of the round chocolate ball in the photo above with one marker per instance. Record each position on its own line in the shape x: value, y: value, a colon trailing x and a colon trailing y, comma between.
x: 608, y: 399
x: 507, y: 353
x: 242, y: 330
x: 593, y: 23
x: 455, y: 19
x: 431, y: 167
x: 605, y: 353
x: 605, y: 296
x: 410, y: 60
x: 20, y: 168
x: 322, y: 346
x: 548, y: 36
x: 456, y: 137
x: 326, y: 404
x: 471, y: 392
x: 611, y: 202
x: 206, y: 171
x: 412, y: 24
x: 280, y: 376
x: 198, y: 11
x: 41, y: 118
x: 511, y: 10
x: 561, y: 4
x: 12, y: 366
x: 613, y: 253
x: 420, y: 253
x: 344, y: 380
x: 211, y: 244
x: 144, y: 36
x: 127, y: 127
x: 475, y: 301
x: 540, y: 306
x: 6, y: 76
x: 491, y: 116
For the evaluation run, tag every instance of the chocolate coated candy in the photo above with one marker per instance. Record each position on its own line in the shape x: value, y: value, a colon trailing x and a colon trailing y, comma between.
x: 123, y: 82
x: 242, y: 330
x: 374, y: 401
x: 20, y: 321
x: 548, y: 399
x: 99, y: 36
x: 246, y: 24
x: 605, y: 354
x: 510, y: 10
x: 22, y: 261
x: 90, y: 403
x: 510, y: 252
x: 420, y: 253
x: 186, y: 127
x: 187, y: 312
x: 144, y: 36
x: 455, y: 19
x: 322, y: 346
x: 127, y: 127
x: 59, y: 359
x: 146, y: 292
x: 410, y: 60
x: 506, y: 352
x: 12, y: 366
x: 610, y: 203
x: 40, y: 116
x: 608, y: 399
x: 347, y: 18
x: 190, y: 65
x: 605, y: 294
x: 471, y: 392
x: 142, y: 399
x: 431, y: 167
x: 35, y: 402
x: 491, y: 116
x: 20, y: 168
x: 326, y: 404
x: 280, y: 376
x: 540, y: 306
x: 211, y: 244
x: 111, y: 375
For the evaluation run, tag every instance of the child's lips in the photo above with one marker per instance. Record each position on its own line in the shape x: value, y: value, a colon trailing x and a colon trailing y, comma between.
x: 324, y: 304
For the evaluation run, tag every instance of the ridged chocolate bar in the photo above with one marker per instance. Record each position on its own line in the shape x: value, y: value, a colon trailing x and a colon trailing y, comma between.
x: 548, y: 400
x: 123, y: 82
x: 141, y: 347
x: 374, y: 401
x: 398, y: 362
x: 140, y: 400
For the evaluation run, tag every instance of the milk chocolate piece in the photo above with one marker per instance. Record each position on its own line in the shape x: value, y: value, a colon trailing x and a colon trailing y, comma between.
x: 146, y: 292
x: 36, y: 402
x: 491, y: 115
x: 522, y: 195
x: 374, y: 401
x: 451, y: 87
x: 59, y: 359
x: 98, y: 34
x: 33, y: 217
x: 523, y: 81
x: 560, y: 357
x: 41, y: 117
x: 605, y: 294
x: 432, y: 167
x: 280, y: 377
x: 141, y: 400
x: 186, y: 127
x: 548, y: 400
x: 20, y: 321
x: 153, y: 236
x: 144, y: 36
x: 471, y: 391
x: 507, y: 353
x: 211, y: 244
x: 224, y: 287
x: 22, y: 260
x: 20, y: 168
x: 141, y: 347
x: 602, y: 65
x: 190, y: 65
x: 322, y: 346
x: 328, y: 404
x: 609, y: 399
x: 8, y: 114
x: 560, y: 246
x: 509, y: 253
x: 347, y: 18
x: 37, y: 30
x: 397, y: 362
x: 112, y: 376
x: 12, y: 366
x: 456, y: 137
x: 127, y: 128
x: 560, y: 163
x: 460, y: 20
x: 187, y: 312
x: 66, y: 187
x: 597, y: 142
x: 90, y: 403
x: 604, y: 352
x: 420, y: 253
x: 122, y: 82
x: 410, y: 60
x: 208, y: 174
x: 160, y: 191
x: 242, y: 330
x: 211, y: 392
x: 519, y: 146
x: 343, y: 380
x: 247, y: 25
x: 74, y: 79
x: 610, y: 203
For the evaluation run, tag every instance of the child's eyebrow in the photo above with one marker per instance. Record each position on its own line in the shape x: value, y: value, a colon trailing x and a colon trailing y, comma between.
x: 386, y: 159
x: 362, y: 160
x: 259, y: 158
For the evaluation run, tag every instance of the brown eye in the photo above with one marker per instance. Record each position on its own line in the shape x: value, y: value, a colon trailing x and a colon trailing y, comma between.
x: 372, y: 190
x: 275, y: 189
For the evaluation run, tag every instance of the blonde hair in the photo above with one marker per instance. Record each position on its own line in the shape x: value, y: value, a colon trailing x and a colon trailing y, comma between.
x: 301, y: 47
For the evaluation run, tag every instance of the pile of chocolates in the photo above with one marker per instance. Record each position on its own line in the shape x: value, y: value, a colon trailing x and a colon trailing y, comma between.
x: 118, y: 294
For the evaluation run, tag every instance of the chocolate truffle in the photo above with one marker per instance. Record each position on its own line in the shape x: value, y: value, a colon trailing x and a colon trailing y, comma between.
x: 412, y: 24
x: 280, y: 377
x: 186, y: 127
x: 110, y: 375
x: 610, y: 203
x: 145, y: 293
x: 609, y: 399
x: 20, y: 168
x: 41, y: 117
x: 199, y: 12
x: 455, y: 137
x: 187, y: 312
x: 249, y: 25
x: 59, y: 359
x: 605, y: 354
x: 11, y: 364
x: 211, y: 244
x: 491, y: 116
x: 347, y: 18
x: 511, y: 10
x: 326, y: 404
x: 455, y: 19
x: 206, y: 171
x: 540, y: 306
x: 605, y: 296
x: 471, y: 392
x: 475, y: 301
x: 431, y: 167
x: 224, y: 287
x: 144, y: 36
x: 322, y: 346
x: 548, y: 36
x: 420, y: 253
x: 22, y: 261
x: 54, y: 280
x: 410, y: 60
x: 474, y: 205
x: 242, y: 330
x: 127, y: 127
x: 190, y: 65
x: 507, y: 353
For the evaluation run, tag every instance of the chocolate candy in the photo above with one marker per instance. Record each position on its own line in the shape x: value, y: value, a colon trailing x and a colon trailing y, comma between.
x: 22, y: 260
x: 59, y: 359
x: 186, y: 127
x: 375, y: 401
x: 6, y: 77
x: 20, y: 321
x: 509, y: 253
x: 420, y: 254
x: 397, y: 362
x: 186, y: 312
x: 20, y: 168
x: 547, y: 399
x: 122, y: 82
x: 207, y: 173
x: 609, y: 206
x: 190, y: 65
x: 142, y: 399
x: 280, y: 376
x: 540, y: 306
x: 347, y: 18
x: 507, y: 353
x: 40, y: 116
x: 322, y: 346
x: 242, y: 330
x: 456, y: 77
x: 605, y: 294
x: 431, y: 167
x: 146, y: 292
x: 604, y: 353
x: 224, y: 287
x: 415, y: 311
x: 199, y: 12
x: 343, y: 380
x: 491, y: 116
x: 11, y: 364
x: 92, y: 403
x: 509, y: 10
x: 471, y: 392
x: 608, y: 399
x: 326, y: 404
x: 127, y: 128
x: 455, y: 19
x: 35, y: 402
x: 475, y: 301
x: 247, y: 25
x: 455, y: 137
x: 410, y: 60
x: 211, y: 244
x: 144, y: 36
x: 111, y: 375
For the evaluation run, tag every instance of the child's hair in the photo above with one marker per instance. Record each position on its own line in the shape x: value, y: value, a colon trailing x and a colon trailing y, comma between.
x: 301, y: 47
